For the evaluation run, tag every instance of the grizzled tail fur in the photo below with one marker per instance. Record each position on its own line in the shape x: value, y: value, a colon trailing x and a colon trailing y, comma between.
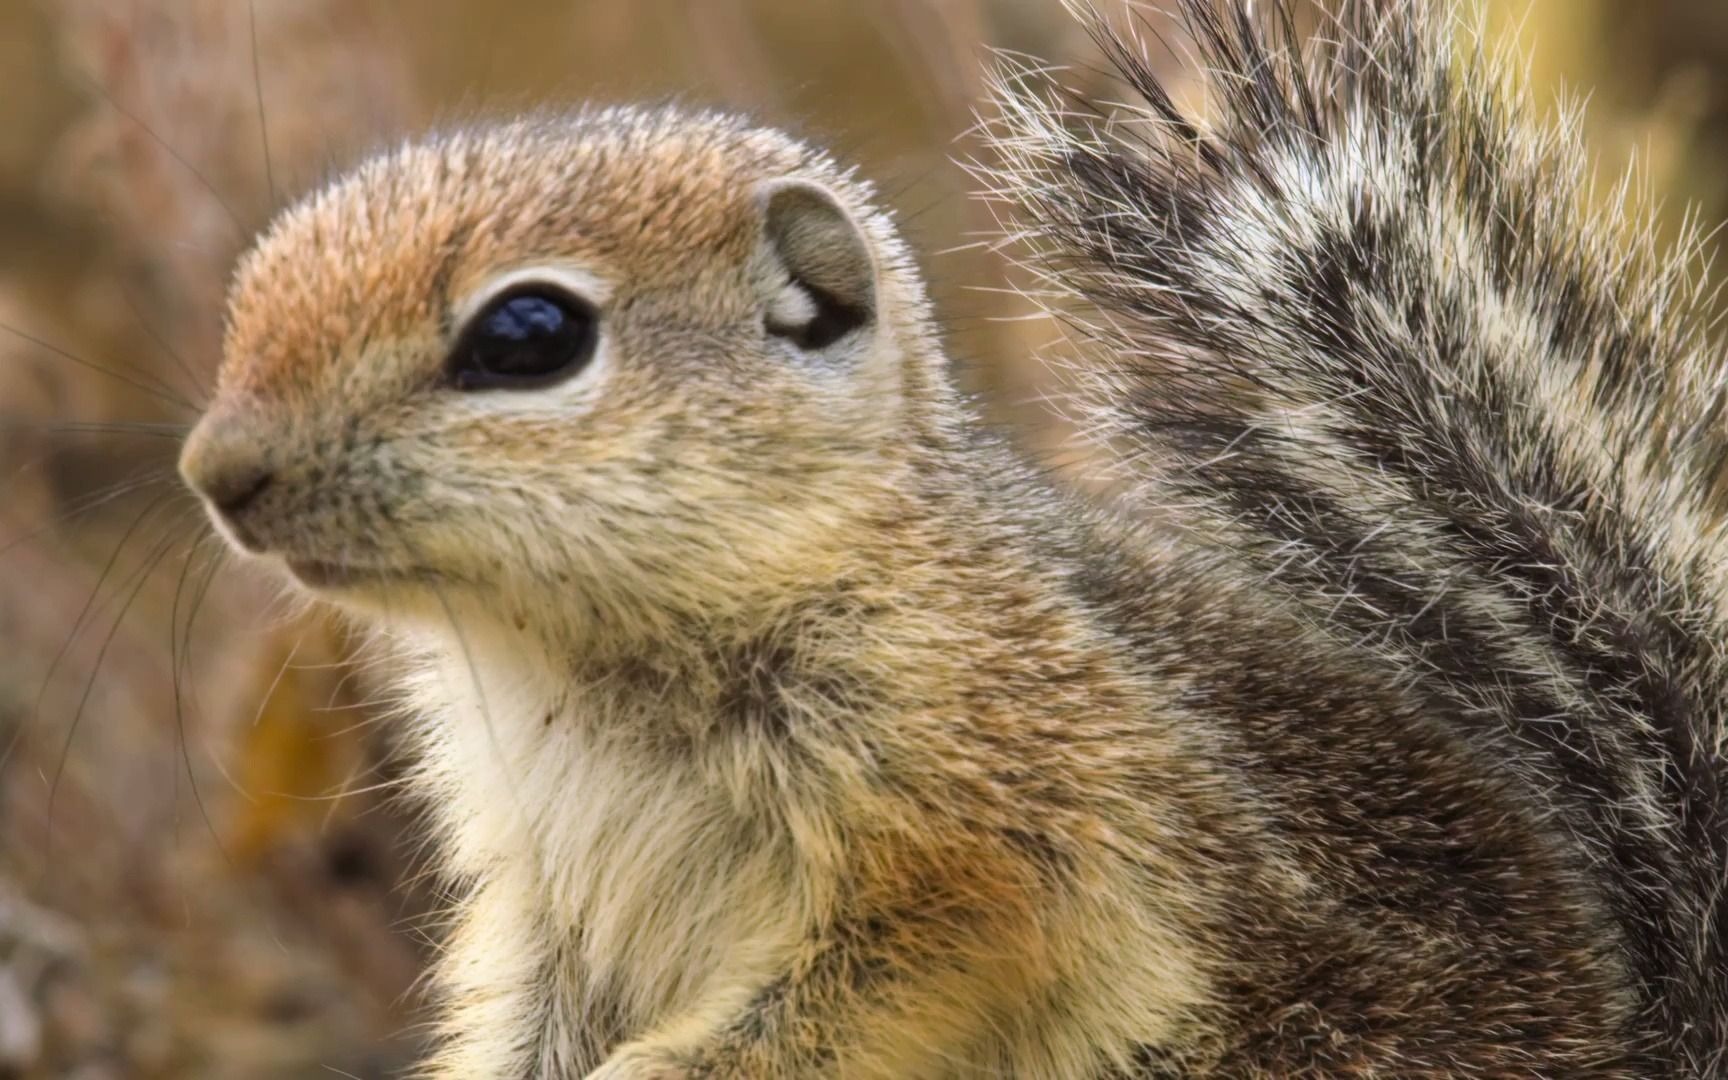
x: 1360, y: 317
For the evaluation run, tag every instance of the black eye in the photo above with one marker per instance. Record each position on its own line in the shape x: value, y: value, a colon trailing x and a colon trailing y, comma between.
x: 526, y: 338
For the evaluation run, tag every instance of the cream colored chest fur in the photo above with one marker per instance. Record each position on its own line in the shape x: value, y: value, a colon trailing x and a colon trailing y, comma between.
x: 647, y: 887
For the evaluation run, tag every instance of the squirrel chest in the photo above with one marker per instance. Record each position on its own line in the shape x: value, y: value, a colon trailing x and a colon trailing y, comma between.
x: 651, y: 884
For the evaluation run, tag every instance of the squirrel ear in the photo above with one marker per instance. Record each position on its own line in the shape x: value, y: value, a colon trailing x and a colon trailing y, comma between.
x: 823, y: 287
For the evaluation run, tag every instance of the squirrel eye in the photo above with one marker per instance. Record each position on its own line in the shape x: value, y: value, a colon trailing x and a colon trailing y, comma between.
x: 525, y: 339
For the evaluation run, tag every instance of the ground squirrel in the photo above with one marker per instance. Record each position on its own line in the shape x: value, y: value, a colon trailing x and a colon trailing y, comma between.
x: 778, y: 721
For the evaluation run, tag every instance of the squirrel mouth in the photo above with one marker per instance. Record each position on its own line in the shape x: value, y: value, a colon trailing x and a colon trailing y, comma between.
x: 318, y: 574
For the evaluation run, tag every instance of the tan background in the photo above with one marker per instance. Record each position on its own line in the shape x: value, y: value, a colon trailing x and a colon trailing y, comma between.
x: 202, y: 873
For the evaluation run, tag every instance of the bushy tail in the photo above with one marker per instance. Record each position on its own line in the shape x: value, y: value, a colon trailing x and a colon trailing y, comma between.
x: 1358, y: 312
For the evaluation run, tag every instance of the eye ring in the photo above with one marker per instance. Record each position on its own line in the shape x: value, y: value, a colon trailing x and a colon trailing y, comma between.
x: 529, y: 336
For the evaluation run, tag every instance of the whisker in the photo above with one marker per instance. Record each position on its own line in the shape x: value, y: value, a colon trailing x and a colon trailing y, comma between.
x: 99, y: 499
x: 258, y: 95
x: 137, y: 581
x: 276, y: 683
x: 95, y: 84
x: 234, y: 785
x: 137, y: 429
x: 343, y: 791
x: 198, y: 546
x: 89, y: 604
x: 161, y: 394
x: 158, y: 339
x: 85, y: 504
x: 199, y: 592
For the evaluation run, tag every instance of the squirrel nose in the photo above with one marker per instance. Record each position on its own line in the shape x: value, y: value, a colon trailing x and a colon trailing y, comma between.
x: 233, y: 489
x: 226, y: 467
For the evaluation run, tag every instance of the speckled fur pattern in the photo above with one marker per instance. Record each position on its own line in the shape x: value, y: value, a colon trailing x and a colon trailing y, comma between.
x: 1364, y: 323
x: 774, y: 719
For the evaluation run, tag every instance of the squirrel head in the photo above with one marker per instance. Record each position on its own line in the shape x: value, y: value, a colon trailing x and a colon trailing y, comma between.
x: 617, y: 360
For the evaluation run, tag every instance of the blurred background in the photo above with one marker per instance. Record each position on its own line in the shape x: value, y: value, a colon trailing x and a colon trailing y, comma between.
x: 203, y: 872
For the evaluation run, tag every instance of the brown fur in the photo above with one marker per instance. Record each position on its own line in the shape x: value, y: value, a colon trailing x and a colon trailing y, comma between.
x: 776, y: 721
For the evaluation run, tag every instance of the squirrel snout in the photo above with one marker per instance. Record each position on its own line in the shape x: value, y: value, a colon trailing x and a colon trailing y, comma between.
x: 232, y: 491
x: 219, y: 465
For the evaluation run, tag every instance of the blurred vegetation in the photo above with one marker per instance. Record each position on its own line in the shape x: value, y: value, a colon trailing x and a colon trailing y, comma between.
x: 202, y: 870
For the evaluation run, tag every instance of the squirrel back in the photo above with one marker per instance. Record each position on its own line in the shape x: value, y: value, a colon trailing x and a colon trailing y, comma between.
x: 1362, y: 323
